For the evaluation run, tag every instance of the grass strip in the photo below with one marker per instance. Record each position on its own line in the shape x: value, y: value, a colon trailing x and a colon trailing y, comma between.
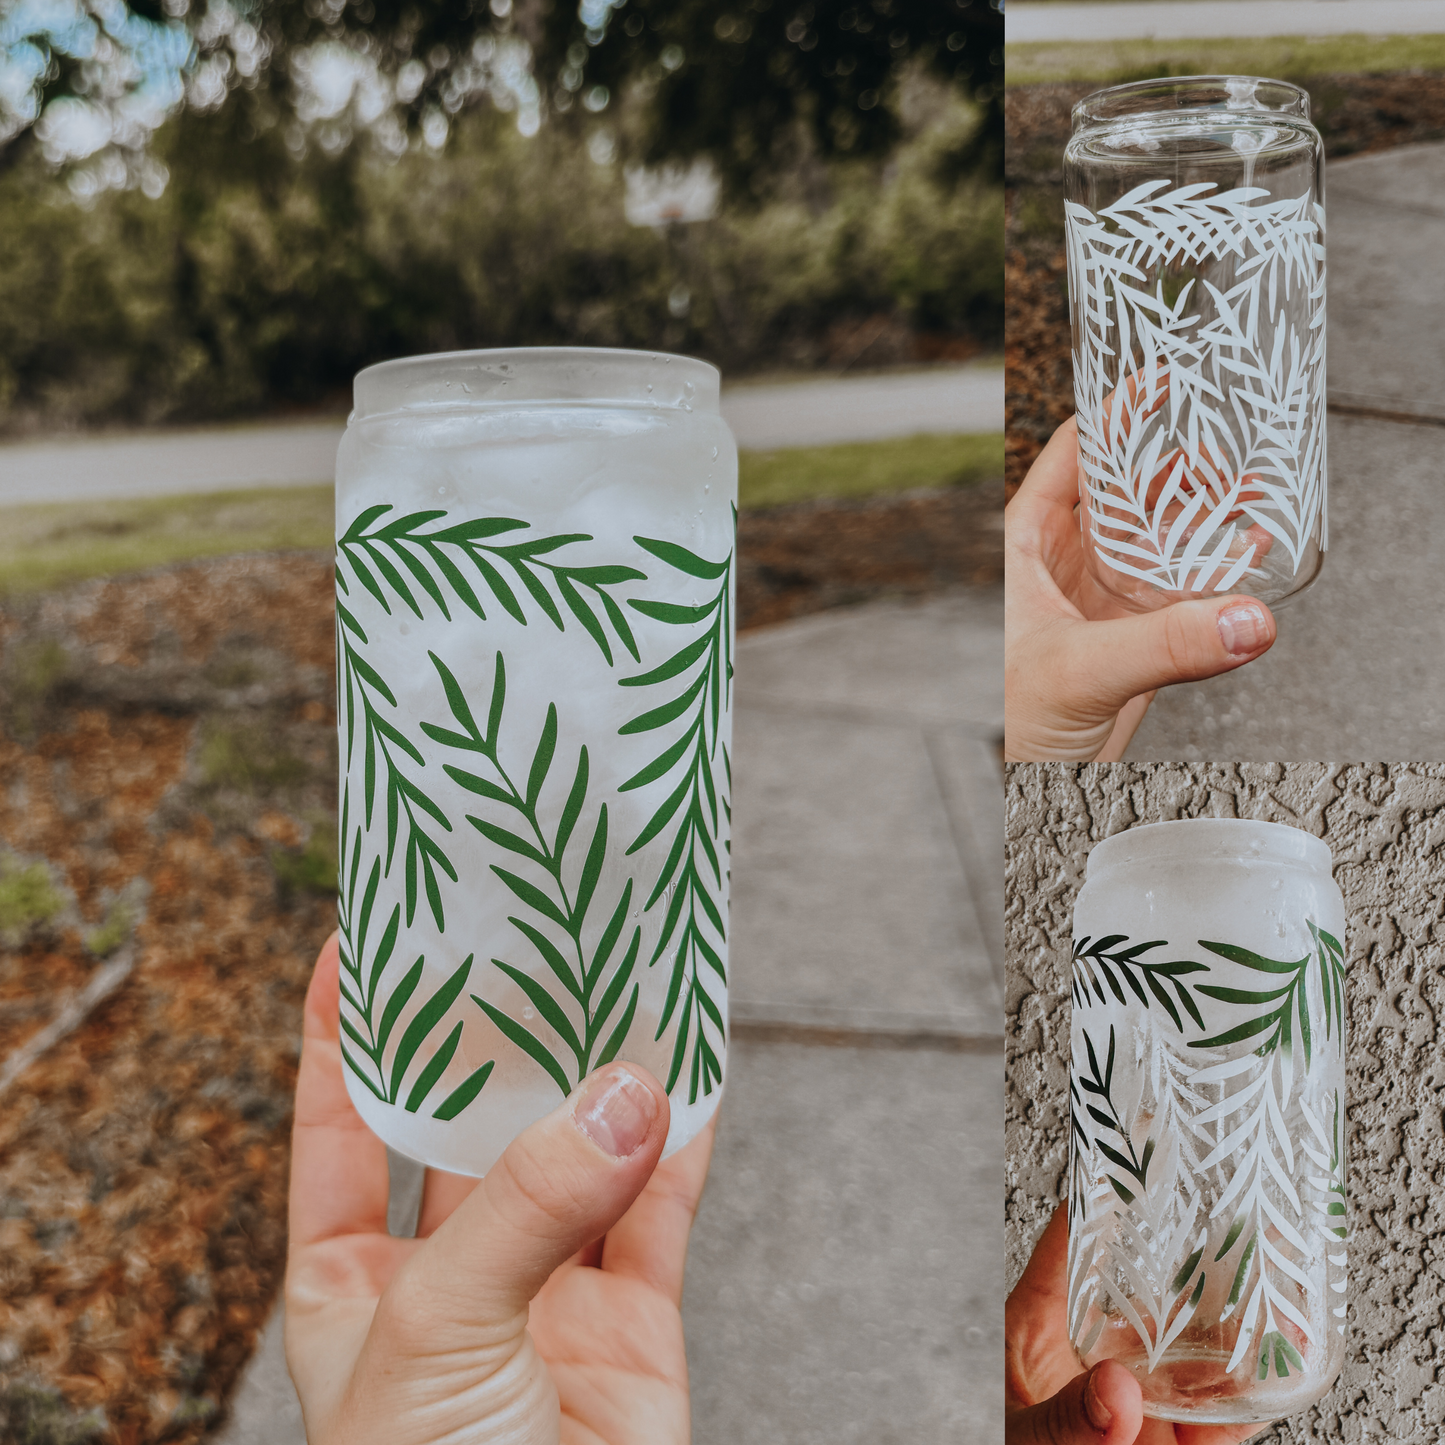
x: 50, y: 544
x: 1288, y: 57
x: 866, y: 469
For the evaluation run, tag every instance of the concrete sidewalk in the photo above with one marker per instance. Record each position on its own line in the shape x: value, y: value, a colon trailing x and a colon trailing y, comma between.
x: 946, y: 399
x: 1357, y: 671
x: 845, y: 1280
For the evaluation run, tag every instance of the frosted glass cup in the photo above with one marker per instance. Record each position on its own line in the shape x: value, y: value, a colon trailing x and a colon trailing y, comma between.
x: 534, y: 635
x: 1194, y: 213
x: 1207, y: 1211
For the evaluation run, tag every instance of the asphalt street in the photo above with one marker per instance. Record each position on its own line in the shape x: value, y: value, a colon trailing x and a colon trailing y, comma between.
x: 791, y: 414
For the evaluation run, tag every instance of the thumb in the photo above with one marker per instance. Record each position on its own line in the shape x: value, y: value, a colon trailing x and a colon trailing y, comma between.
x: 561, y: 1184
x: 1103, y: 1407
x: 1116, y: 660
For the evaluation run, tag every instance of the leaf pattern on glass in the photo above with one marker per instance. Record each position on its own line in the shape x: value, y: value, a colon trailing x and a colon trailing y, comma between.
x: 359, y: 685
x: 1201, y: 441
x: 1325, y: 1148
x: 1100, y: 961
x: 696, y: 809
x: 582, y: 1009
x: 377, y: 1035
x: 1290, y: 1000
x: 1225, y: 1129
x: 1266, y: 1239
x: 380, y: 557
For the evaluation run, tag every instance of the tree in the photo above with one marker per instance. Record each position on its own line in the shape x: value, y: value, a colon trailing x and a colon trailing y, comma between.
x: 731, y: 77
x: 726, y: 77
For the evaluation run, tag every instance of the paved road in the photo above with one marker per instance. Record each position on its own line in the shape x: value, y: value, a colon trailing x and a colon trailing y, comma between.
x: 1213, y: 19
x: 1356, y: 672
x: 795, y: 414
x: 845, y: 1278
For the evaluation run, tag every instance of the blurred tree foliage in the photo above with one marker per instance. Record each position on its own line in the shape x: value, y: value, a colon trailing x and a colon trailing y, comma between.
x: 726, y: 77
x: 259, y: 279
x: 248, y: 252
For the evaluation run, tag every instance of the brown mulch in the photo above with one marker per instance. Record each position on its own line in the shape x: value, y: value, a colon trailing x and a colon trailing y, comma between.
x: 799, y: 559
x: 143, y: 1159
x: 1355, y: 114
x: 167, y: 748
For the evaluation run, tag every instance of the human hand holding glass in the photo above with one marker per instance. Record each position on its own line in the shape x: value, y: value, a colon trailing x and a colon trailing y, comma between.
x: 1048, y: 1399
x: 539, y: 1304
x: 1080, y: 670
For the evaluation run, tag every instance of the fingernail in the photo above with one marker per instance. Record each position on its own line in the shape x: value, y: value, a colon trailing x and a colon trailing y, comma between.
x: 615, y: 1110
x: 1099, y: 1416
x: 1243, y: 628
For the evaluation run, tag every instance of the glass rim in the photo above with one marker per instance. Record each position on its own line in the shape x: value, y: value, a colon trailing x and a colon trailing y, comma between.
x: 1226, y: 840
x: 526, y: 376
x: 1239, y: 94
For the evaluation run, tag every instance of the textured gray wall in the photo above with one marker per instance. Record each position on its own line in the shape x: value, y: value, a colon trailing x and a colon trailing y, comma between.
x: 1385, y: 823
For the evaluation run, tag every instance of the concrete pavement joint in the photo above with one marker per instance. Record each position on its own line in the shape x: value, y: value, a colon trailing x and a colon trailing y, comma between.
x: 1378, y: 413
x: 988, y: 733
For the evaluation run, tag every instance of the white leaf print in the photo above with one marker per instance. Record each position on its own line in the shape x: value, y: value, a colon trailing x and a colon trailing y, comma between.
x: 1202, y: 416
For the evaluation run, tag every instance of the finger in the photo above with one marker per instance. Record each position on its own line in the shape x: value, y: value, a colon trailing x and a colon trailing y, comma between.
x: 1125, y: 726
x: 339, y: 1177
x: 1053, y: 480
x: 440, y: 1195
x: 1103, y: 1407
x: 1105, y: 664
x: 1045, y: 1275
x: 562, y: 1183
x: 649, y: 1242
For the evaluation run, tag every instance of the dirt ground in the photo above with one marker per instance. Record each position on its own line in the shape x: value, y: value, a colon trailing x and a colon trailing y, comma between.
x: 1355, y: 114
x: 167, y: 821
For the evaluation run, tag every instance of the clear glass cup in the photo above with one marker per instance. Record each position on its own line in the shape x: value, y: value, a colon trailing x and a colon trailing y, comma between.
x: 1207, y: 1209
x: 1194, y: 212
x: 535, y: 622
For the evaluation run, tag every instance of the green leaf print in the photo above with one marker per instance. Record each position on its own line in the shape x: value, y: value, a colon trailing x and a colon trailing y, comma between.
x: 1284, y: 1011
x: 583, y: 1016
x: 1101, y: 961
x: 363, y: 967
x: 1100, y: 1084
x: 690, y: 881
x: 382, y: 558
x: 360, y: 690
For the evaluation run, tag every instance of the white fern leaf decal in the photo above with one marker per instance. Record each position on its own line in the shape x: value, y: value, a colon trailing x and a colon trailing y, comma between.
x: 1201, y: 412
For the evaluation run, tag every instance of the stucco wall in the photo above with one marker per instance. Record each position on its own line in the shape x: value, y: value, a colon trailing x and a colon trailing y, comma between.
x: 1385, y: 824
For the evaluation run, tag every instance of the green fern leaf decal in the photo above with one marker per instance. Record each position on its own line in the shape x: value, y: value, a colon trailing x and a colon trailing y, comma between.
x: 580, y: 1018
x: 690, y: 881
x: 360, y: 688
x: 430, y: 556
x: 365, y: 956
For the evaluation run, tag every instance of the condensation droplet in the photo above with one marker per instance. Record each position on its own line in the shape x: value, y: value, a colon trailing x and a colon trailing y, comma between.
x: 714, y: 454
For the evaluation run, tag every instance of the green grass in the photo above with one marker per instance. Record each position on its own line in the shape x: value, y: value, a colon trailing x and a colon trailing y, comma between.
x: 1288, y: 57
x: 28, y: 899
x: 50, y: 544
x: 866, y: 469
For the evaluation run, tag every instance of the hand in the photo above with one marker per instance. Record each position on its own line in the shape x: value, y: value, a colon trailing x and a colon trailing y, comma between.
x: 410, y: 1341
x: 1079, y: 670
x: 1048, y: 1400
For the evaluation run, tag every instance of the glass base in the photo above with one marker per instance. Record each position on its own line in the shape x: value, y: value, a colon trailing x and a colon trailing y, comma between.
x: 1195, y: 1387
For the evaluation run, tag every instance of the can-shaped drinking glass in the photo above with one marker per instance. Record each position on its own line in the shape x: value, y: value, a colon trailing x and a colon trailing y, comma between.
x: 534, y: 636
x: 1207, y: 1213
x: 1194, y: 212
